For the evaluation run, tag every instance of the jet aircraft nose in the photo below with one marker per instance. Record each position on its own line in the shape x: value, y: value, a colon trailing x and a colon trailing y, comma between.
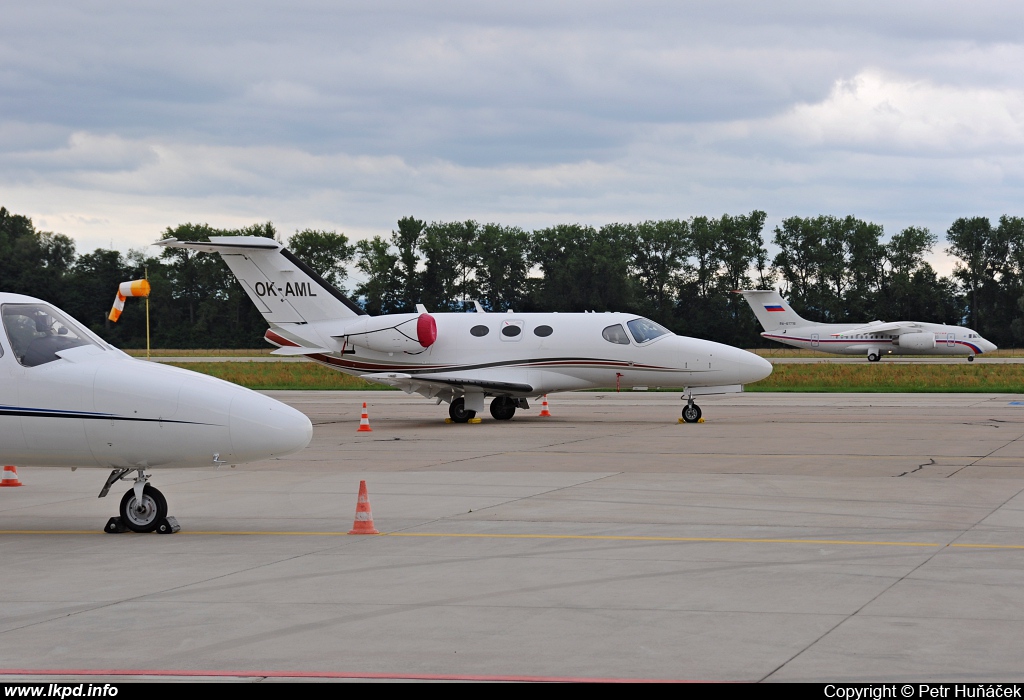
x: 748, y: 366
x: 987, y: 346
x: 262, y: 427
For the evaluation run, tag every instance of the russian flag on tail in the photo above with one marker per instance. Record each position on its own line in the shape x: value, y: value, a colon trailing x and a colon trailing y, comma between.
x: 135, y: 288
x: 773, y: 307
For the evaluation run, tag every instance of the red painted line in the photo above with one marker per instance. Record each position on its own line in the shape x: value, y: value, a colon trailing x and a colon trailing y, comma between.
x: 323, y: 674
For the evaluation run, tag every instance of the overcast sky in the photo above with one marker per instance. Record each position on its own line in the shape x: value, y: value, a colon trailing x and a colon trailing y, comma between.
x: 119, y: 119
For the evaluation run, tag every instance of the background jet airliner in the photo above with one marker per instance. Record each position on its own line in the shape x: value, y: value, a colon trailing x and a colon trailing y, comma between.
x: 874, y: 339
x: 463, y: 358
x: 68, y: 399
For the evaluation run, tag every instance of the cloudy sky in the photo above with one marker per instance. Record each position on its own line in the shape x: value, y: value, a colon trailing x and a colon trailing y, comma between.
x: 119, y: 119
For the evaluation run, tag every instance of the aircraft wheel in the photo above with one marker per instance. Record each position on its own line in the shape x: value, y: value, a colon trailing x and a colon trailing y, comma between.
x: 873, y: 357
x: 147, y: 516
x: 503, y: 408
x: 691, y: 414
x: 458, y: 412
x: 970, y: 358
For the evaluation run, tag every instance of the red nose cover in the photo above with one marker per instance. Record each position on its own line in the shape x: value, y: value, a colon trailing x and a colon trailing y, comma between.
x: 426, y: 330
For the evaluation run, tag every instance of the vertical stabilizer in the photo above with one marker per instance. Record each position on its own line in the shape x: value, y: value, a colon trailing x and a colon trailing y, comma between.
x: 284, y: 289
x: 772, y: 310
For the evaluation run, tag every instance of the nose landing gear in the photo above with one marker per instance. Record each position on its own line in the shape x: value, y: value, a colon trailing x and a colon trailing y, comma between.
x: 691, y: 412
x: 143, y: 508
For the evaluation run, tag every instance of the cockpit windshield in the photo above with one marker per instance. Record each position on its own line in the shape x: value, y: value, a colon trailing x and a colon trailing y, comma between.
x: 37, y: 332
x: 644, y: 329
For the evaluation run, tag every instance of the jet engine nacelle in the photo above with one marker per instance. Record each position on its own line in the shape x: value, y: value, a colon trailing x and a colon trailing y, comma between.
x: 915, y: 341
x: 397, y: 332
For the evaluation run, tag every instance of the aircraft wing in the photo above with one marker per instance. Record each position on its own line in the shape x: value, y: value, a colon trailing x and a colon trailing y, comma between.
x: 896, y: 328
x: 423, y: 382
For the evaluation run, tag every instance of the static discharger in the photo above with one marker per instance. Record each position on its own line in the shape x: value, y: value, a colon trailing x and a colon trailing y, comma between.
x: 544, y: 412
x: 364, y: 422
x: 363, y: 524
x: 10, y: 477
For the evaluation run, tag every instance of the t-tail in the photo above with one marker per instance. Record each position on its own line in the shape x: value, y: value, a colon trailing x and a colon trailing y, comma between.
x: 772, y: 310
x: 283, y: 287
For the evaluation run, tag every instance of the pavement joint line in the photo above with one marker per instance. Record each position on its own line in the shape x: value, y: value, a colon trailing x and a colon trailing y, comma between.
x: 537, y: 536
x: 354, y: 675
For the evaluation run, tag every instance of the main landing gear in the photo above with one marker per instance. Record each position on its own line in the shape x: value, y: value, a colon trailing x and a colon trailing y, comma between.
x: 503, y: 407
x: 143, y: 507
x: 458, y: 411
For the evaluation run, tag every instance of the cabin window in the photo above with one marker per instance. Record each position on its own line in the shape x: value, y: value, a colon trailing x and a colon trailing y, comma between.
x: 511, y: 331
x: 615, y: 334
x: 37, y: 332
x: 543, y: 331
x: 644, y: 330
x: 479, y: 331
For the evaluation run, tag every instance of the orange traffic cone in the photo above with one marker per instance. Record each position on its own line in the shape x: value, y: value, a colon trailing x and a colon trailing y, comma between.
x: 544, y: 407
x: 10, y: 477
x: 364, y: 422
x: 363, y: 524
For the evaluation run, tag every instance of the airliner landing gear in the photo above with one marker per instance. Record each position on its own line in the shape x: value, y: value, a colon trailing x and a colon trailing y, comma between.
x: 691, y: 413
x: 143, y: 508
x: 970, y: 358
x: 503, y: 407
x: 458, y: 411
x: 874, y: 356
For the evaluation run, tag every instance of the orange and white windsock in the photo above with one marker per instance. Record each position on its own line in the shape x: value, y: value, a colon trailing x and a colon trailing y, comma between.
x: 135, y: 288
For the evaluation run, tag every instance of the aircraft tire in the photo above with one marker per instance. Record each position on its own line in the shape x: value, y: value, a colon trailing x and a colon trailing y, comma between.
x: 153, y: 512
x: 873, y: 358
x: 970, y: 358
x: 691, y: 413
x: 458, y: 412
x: 503, y: 408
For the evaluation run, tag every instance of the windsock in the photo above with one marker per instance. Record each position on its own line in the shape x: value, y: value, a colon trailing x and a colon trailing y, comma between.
x: 135, y: 288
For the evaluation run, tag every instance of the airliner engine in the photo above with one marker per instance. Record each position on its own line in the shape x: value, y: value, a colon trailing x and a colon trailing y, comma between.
x: 397, y: 333
x: 915, y: 341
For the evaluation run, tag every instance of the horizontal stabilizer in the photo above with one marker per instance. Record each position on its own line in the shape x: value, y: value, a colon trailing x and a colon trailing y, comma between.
x: 299, y: 350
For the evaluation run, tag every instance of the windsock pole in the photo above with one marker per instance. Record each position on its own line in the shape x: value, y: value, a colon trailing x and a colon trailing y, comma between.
x: 147, y: 315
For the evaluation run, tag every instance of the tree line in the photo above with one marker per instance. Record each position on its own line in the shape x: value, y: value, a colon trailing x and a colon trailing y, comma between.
x: 677, y: 272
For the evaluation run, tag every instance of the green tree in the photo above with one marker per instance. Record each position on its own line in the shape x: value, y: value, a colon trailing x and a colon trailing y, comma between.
x: 656, y: 259
x: 406, y: 240
x: 502, y: 256
x: 584, y: 270
x: 979, y: 252
x: 380, y: 292
x: 450, y: 250
x: 327, y: 252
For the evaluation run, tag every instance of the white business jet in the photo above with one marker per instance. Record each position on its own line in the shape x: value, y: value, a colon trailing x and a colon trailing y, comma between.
x: 874, y: 339
x: 461, y: 358
x: 69, y: 399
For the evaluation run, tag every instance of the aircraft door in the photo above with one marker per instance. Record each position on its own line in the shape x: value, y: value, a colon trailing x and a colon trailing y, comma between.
x: 950, y: 340
x: 814, y: 340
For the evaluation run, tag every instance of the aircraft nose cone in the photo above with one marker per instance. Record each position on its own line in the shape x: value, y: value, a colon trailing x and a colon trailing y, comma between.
x: 262, y: 427
x: 752, y: 368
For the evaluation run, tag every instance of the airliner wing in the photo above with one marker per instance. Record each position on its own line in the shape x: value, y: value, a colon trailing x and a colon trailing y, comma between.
x: 896, y: 328
x: 421, y: 382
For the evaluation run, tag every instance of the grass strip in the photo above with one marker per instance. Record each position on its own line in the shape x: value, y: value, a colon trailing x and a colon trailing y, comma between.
x: 894, y: 378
